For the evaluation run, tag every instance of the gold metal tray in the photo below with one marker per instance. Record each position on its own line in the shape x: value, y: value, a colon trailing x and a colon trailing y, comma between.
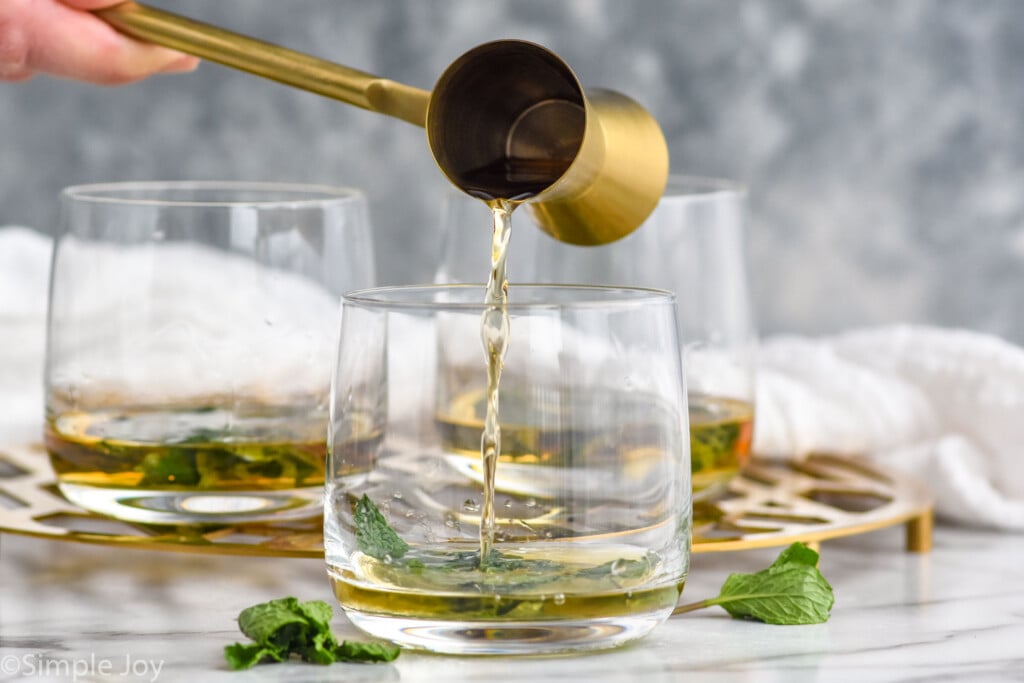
x: 773, y: 503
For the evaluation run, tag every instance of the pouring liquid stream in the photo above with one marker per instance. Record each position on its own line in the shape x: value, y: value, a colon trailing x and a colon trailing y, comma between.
x: 494, y: 333
x: 502, y: 185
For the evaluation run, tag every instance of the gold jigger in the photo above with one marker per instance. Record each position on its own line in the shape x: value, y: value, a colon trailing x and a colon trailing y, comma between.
x: 507, y: 120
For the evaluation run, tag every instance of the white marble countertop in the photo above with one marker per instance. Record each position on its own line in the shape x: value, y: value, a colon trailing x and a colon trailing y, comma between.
x: 84, y: 613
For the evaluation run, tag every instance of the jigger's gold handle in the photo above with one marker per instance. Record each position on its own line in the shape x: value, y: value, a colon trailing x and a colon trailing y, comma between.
x: 269, y: 61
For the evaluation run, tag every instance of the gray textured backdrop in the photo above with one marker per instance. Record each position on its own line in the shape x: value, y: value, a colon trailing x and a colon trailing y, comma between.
x: 883, y: 141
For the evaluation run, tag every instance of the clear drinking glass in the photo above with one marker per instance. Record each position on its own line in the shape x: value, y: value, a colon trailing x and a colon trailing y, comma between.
x: 693, y: 244
x: 192, y: 331
x: 591, y: 493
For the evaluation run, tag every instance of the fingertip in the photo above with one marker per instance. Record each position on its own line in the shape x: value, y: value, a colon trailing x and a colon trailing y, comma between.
x: 184, y: 64
x: 19, y: 76
x: 91, y: 4
x: 135, y: 62
x: 76, y: 45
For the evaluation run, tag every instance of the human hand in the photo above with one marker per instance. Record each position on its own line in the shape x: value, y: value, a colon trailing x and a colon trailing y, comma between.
x: 62, y: 38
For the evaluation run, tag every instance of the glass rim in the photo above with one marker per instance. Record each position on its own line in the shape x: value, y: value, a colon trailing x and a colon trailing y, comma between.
x: 310, y: 195
x: 613, y: 297
x: 677, y: 186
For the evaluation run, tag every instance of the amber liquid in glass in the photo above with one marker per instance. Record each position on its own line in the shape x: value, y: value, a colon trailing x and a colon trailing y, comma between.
x: 188, y: 449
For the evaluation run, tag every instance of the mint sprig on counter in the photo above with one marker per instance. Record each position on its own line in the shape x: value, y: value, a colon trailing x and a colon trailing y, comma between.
x: 285, y: 627
x: 791, y: 591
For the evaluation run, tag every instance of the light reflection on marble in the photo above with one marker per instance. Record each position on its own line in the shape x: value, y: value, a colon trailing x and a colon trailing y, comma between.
x: 956, y: 613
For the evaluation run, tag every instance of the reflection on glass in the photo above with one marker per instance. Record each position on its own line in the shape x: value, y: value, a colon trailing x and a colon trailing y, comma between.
x: 591, y: 491
x: 693, y: 245
x: 191, y: 337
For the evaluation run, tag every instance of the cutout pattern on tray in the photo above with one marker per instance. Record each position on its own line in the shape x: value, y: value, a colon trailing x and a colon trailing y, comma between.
x: 772, y: 503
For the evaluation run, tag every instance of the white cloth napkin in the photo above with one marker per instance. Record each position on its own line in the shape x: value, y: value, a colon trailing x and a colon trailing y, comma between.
x: 944, y: 405
x: 147, y: 316
x: 24, y: 272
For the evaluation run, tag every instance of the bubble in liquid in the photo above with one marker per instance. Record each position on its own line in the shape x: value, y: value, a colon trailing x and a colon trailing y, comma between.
x: 470, y: 505
x: 621, y: 570
x: 508, y: 502
x: 559, y: 599
x: 397, y: 495
x: 450, y: 521
x: 530, y: 502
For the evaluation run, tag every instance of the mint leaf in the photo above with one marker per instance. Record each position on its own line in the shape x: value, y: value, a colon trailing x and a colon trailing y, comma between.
x: 285, y: 627
x: 373, y: 535
x: 351, y: 651
x: 791, y: 591
x: 175, y: 467
x: 799, y: 554
x: 278, y: 622
x: 320, y: 650
x: 376, y: 538
x: 714, y: 446
x: 241, y: 656
x: 317, y: 612
x: 782, y: 594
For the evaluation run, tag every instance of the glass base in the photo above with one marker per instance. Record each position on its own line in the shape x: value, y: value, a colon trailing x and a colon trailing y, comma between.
x: 154, y: 506
x: 508, y: 637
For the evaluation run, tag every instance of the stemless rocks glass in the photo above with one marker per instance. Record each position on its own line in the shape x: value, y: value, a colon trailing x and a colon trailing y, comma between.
x: 191, y: 337
x: 581, y: 537
x: 693, y: 244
